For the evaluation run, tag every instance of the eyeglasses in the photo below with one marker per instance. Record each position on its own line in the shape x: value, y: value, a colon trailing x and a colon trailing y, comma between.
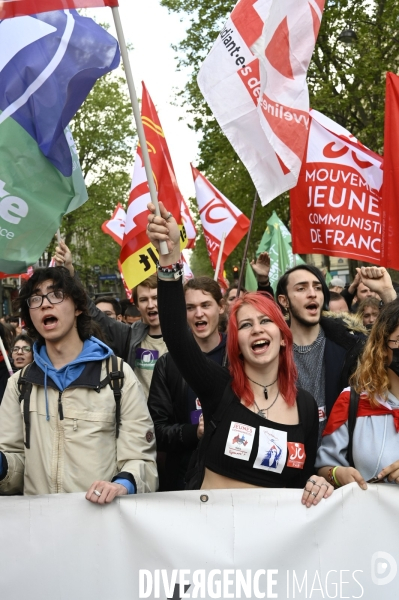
x: 53, y: 297
x: 396, y: 342
x: 23, y: 349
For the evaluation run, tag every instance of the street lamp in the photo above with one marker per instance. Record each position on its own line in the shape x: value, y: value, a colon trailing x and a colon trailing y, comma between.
x: 348, y: 36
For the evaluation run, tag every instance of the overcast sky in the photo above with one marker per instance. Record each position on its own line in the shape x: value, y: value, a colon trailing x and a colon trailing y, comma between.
x: 151, y: 30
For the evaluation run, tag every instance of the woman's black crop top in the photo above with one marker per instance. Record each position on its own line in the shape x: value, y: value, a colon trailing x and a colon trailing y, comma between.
x: 245, y: 446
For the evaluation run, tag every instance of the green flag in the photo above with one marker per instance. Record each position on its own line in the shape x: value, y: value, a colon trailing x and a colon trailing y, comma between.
x: 251, y: 283
x: 34, y: 196
x: 276, y: 241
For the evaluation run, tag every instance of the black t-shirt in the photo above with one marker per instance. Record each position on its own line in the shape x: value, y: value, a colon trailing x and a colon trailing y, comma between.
x: 250, y: 448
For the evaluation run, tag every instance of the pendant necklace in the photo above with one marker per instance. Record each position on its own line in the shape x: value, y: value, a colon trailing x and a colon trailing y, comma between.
x: 264, y: 386
x: 262, y: 410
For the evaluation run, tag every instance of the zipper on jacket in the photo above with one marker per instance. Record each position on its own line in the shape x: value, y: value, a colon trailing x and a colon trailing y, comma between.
x: 60, y: 411
x: 75, y: 425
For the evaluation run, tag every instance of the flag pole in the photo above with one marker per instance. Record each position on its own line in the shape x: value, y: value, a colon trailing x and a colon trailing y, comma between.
x: 6, y: 359
x: 244, y: 258
x: 163, y: 247
x: 219, y: 260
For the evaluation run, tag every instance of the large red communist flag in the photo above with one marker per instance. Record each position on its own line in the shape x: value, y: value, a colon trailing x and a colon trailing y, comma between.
x: 336, y: 205
x: 218, y: 216
x: 254, y: 80
x: 19, y: 8
x: 390, y: 189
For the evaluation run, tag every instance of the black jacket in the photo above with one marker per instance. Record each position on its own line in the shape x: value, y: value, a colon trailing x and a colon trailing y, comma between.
x: 169, y: 408
x: 342, y: 350
x: 122, y: 338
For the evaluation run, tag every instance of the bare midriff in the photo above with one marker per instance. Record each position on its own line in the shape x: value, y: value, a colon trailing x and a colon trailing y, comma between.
x: 214, y: 481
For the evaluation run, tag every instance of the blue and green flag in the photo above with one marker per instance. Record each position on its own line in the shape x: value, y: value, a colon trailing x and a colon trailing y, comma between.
x: 48, y: 65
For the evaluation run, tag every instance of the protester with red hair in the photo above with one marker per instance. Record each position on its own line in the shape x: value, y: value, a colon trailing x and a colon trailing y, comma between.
x: 287, y: 372
x: 260, y: 431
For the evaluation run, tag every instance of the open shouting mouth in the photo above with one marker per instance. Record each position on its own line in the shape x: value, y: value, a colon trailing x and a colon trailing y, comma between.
x: 260, y: 346
x: 49, y: 321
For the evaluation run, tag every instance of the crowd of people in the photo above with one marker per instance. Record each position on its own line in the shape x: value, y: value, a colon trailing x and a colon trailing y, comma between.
x: 188, y: 388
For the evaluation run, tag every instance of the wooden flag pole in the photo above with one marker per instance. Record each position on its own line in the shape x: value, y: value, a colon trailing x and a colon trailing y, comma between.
x: 6, y: 359
x: 163, y: 247
x: 244, y: 258
x: 219, y: 260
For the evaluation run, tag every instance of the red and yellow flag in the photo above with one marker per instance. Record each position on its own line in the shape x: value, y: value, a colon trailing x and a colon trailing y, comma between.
x: 138, y: 257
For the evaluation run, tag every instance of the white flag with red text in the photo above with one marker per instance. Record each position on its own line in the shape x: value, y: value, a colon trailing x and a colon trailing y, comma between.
x: 336, y: 205
x: 115, y: 227
x: 187, y: 272
x: 254, y: 80
x: 218, y: 216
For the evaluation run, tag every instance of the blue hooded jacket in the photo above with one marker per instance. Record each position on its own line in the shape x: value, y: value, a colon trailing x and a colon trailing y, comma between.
x: 93, y: 350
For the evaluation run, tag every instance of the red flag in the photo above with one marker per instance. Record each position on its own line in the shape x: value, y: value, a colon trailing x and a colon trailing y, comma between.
x: 23, y: 276
x: 128, y: 291
x: 218, y: 216
x: 138, y: 257
x: 390, y: 190
x: 19, y: 8
x: 336, y: 206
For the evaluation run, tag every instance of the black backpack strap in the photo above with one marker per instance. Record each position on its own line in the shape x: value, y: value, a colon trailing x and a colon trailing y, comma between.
x: 115, y: 379
x: 25, y: 390
x: 352, y: 415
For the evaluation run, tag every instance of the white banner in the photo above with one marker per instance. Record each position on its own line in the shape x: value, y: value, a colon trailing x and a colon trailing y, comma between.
x: 259, y: 543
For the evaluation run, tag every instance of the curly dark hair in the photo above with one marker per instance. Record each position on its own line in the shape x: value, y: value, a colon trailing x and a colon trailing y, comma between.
x: 71, y: 287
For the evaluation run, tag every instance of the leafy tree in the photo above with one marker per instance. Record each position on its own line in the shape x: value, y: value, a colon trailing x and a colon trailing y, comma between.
x: 345, y: 83
x: 104, y: 136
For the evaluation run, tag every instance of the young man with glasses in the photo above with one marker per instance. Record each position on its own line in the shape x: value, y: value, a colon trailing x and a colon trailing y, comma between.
x: 21, y: 352
x: 72, y: 428
x: 110, y: 307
